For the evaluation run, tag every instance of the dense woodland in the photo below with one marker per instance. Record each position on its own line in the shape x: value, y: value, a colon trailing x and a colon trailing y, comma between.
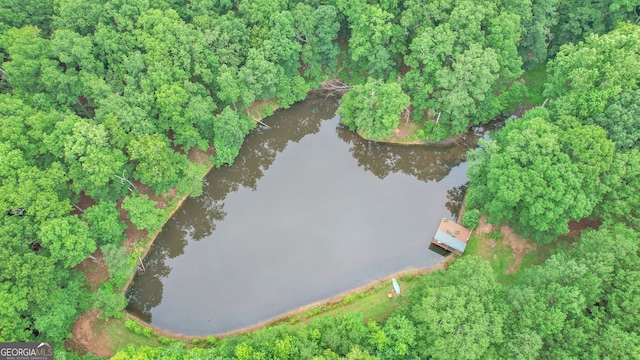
x: 102, y: 99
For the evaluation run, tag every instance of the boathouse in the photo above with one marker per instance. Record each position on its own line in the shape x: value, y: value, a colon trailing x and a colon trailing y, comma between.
x: 451, y: 236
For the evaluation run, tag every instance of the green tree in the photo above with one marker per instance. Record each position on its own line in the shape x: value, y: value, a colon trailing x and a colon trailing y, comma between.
x: 119, y: 263
x: 55, y: 316
x: 230, y: 128
x: 281, y: 46
x: 470, y: 218
x: 340, y: 333
x: 584, y: 78
x: 67, y: 239
x: 105, y: 225
x: 110, y: 299
x: 173, y: 50
x: 462, y: 55
x: 373, y: 109
x: 76, y: 15
x: 317, y: 31
x: 457, y: 318
x: 283, y: 50
x: 537, y: 26
x: 621, y: 120
x: 186, y: 111
x: 230, y: 38
x: 91, y: 160
x: 376, y: 40
x: 29, y: 56
x: 232, y: 91
x: 143, y: 213
x: 621, y: 199
x: 17, y: 13
x: 537, y: 176
x: 460, y: 88
x: 260, y: 76
x: 13, y: 327
x: 157, y: 164
x: 402, y: 335
x: 577, y: 301
x: 578, y: 21
x: 260, y: 12
x: 126, y: 117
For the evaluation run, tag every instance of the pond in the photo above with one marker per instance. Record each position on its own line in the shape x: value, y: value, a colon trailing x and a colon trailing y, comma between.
x: 308, y: 210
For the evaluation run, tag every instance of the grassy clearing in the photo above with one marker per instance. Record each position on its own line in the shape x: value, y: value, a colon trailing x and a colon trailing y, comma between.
x: 501, y: 256
x: 493, y: 249
x: 374, y: 304
x: 113, y: 335
x: 121, y: 336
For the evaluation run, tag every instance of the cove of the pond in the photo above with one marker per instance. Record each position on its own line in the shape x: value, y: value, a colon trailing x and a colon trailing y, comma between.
x: 307, y: 211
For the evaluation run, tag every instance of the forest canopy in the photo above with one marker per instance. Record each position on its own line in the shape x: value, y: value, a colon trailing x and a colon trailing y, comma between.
x: 103, y: 101
x: 575, y: 160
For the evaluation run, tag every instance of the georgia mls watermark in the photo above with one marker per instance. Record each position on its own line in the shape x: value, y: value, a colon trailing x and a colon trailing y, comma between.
x: 26, y: 351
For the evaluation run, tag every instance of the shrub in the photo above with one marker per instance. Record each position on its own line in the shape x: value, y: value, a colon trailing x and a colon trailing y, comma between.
x: 470, y: 218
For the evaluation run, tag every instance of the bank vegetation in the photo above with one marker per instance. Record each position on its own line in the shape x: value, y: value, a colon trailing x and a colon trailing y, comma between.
x: 106, y: 106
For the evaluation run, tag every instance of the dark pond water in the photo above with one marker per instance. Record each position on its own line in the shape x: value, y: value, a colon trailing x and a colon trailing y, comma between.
x: 308, y: 210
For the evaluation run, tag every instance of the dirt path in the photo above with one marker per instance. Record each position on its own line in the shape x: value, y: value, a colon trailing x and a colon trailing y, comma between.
x: 86, y: 338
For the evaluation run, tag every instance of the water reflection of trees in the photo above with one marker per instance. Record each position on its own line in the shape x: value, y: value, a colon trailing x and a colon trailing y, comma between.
x: 426, y: 163
x: 455, y: 197
x: 145, y: 292
x: 256, y: 156
x: 263, y: 145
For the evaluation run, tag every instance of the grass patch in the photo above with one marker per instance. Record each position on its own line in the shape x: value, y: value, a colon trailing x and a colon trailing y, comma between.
x: 544, y: 251
x: 374, y: 304
x: 498, y: 252
x: 494, y: 250
x: 534, y: 79
x: 121, y: 336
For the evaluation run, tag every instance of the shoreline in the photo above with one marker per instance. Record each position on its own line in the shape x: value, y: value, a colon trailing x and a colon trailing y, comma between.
x: 152, y: 239
x: 283, y: 318
x: 452, y: 140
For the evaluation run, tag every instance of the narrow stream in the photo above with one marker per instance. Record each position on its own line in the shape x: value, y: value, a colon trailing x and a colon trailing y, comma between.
x: 307, y: 211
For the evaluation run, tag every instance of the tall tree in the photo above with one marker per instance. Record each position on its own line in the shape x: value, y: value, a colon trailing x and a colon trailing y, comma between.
x: 584, y: 78
x: 105, y: 226
x: 157, y: 164
x: 537, y: 26
x: 537, y: 176
x: 373, y: 109
x: 17, y: 13
x: 143, y: 212
x: 621, y: 120
x: 376, y: 42
x: 621, y: 199
x: 463, y: 53
x: 317, y: 31
x: 230, y: 128
x: 230, y: 38
x: 577, y: 301
x: 457, y: 318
